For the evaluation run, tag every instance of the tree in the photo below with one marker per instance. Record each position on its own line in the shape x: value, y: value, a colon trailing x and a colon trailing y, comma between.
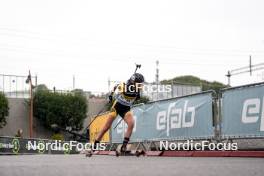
x: 4, y: 110
x: 193, y: 80
x: 143, y: 99
x: 61, y: 109
x: 41, y: 87
x: 184, y: 80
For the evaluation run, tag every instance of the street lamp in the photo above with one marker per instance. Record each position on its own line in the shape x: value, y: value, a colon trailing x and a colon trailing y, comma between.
x: 29, y: 81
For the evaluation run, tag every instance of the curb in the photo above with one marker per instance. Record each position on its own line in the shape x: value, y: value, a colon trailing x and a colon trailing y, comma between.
x: 259, y: 154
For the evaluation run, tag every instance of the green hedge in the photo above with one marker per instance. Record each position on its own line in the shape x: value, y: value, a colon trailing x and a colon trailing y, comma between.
x: 61, y: 109
x: 4, y: 110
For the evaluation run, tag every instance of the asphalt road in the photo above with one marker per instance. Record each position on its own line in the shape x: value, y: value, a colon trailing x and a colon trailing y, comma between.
x: 74, y: 165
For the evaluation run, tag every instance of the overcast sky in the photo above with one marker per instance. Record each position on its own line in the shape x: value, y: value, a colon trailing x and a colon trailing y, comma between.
x: 95, y: 40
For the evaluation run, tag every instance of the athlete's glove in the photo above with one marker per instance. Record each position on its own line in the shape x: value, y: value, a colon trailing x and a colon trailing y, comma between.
x: 110, y: 98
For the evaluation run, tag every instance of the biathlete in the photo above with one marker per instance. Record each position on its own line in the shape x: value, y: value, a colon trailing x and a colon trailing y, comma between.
x: 124, y: 95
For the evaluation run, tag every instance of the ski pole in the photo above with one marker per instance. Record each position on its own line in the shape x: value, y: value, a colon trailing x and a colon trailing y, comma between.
x: 118, y: 123
x: 137, y: 66
x: 96, y: 117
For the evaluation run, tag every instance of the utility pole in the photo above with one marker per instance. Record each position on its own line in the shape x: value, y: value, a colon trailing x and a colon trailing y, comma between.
x: 228, y: 77
x: 250, y: 66
x: 109, y: 82
x: 157, y: 78
x: 29, y: 81
x: 73, y: 82
x: 157, y: 72
x: 36, y: 79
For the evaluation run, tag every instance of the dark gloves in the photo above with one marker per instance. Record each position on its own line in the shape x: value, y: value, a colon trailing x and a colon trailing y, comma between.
x: 110, y: 98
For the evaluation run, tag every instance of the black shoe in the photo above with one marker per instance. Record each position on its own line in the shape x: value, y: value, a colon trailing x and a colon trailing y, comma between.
x: 123, y: 149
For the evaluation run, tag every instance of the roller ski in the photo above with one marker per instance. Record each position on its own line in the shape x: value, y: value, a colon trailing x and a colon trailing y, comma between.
x: 124, y: 152
x: 88, y: 153
x: 140, y: 153
x: 136, y: 153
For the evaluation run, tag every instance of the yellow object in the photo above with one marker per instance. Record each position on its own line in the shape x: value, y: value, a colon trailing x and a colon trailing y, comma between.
x: 96, y: 127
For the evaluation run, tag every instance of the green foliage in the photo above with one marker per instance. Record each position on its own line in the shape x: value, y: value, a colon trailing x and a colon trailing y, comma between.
x: 61, y: 109
x: 192, y: 80
x: 57, y: 136
x: 217, y: 86
x: 41, y: 87
x: 4, y: 110
x: 184, y: 80
x: 143, y: 99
